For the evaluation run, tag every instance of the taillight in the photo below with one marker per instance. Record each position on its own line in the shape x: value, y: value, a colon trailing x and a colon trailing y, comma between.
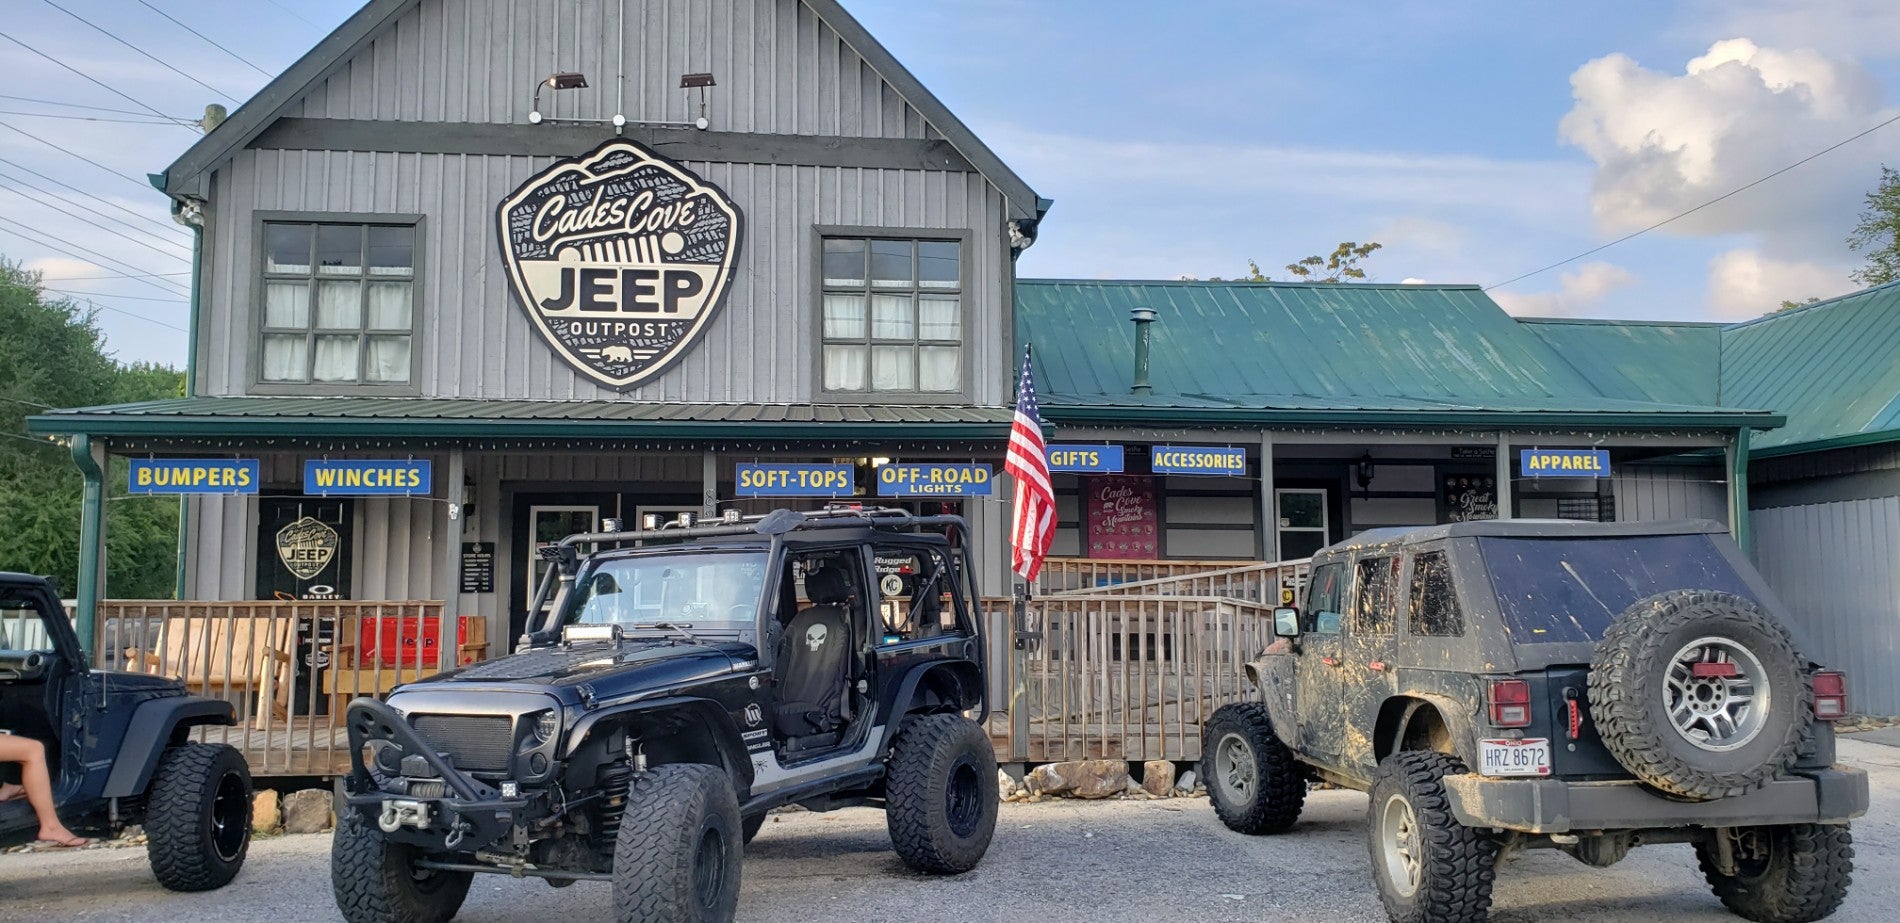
x: 1510, y: 703
x: 1830, y: 695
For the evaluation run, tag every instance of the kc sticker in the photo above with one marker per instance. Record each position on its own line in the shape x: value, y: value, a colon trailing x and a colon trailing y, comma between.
x: 620, y: 258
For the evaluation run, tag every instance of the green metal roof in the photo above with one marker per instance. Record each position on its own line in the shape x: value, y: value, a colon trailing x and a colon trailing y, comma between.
x: 1832, y: 367
x: 1640, y: 360
x: 482, y: 419
x: 1249, y: 352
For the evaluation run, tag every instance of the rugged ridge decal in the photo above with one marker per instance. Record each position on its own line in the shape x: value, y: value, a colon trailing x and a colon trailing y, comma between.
x: 620, y: 258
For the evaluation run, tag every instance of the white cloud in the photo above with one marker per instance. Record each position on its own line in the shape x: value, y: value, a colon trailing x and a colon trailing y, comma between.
x: 1579, y: 291
x: 1864, y: 28
x: 1744, y: 283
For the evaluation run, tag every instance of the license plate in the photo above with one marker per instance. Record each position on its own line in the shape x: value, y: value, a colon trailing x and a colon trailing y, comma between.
x: 1514, y: 757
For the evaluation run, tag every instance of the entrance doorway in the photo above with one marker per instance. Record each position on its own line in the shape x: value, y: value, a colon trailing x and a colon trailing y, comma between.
x: 548, y: 524
x: 1303, y: 521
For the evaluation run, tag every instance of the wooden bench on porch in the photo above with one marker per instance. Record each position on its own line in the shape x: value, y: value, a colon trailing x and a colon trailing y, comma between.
x: 212, y: 655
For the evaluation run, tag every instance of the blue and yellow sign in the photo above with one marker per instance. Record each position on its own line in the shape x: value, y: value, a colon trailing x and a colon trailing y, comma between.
x: 1564, y: 463
x: 380, y: 477
x: 769, y: 480
x: 193, y: 476
x: 935, y: 481
x: 1200, y: 460
x: 1086, y: 459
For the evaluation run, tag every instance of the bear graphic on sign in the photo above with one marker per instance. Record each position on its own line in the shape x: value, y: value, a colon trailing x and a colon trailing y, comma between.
x: 620, y: 258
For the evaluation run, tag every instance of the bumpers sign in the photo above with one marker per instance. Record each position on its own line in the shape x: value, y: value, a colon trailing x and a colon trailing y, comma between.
x: 620, y: 259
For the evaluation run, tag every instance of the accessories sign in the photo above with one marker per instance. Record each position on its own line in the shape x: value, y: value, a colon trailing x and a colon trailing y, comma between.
x: 620, y: 259
x: 1199, y: 459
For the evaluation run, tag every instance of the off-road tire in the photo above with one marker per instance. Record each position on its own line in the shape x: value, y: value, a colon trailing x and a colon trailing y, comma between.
x: 940, y: 797
x: 1804, y: 877
x: 375, y: 880
x: 751, y: 826
x: 1626, y: 694
x: 198, y: 816
x: 1456, y: 863
x: 1269, y: 801
x: 677, y: 856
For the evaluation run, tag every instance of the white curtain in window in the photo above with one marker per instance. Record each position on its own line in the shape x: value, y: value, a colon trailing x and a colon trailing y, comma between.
x: 939, y: 368
x: 287, y: 304
x: 389, y: 305
x: 939, y: 317
x: 844, y: 368
x: 892, y: 369
x: 891, y: 318
x: 844, y: 317
x: 339, y: 306
x: 388, y: 359
x: 336, y: 359
x: 285, y: 358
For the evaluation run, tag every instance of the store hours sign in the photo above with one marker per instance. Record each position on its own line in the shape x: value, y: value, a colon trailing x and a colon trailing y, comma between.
x: 620, y: 258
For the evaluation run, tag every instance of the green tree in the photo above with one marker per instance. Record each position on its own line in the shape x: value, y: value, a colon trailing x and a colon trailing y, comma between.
x: 1877, y: 235
x: 53, y: 355
x: 1342, y: 265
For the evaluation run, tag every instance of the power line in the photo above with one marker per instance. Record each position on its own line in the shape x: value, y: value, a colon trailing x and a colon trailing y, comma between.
x: 66, y: 105
x: 207, y: 38
x: 109, y: 34
x: 293, y: 13
x: 1680, y: 215
x: 89, y: 195
x: 84, y: 118
x: 149, y: 320
x: 65, y: 291
x: 75, y: 154
x: 96, y: 81
x: 37, y: 237
x: 142, y: 275
x: 166, y: 237
x: 116, y: 233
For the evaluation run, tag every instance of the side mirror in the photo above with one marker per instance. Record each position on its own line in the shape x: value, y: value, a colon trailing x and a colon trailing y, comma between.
x: 1286, y: 622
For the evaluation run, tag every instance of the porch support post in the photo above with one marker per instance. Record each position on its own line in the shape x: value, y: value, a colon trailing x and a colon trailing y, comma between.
x: 92, y: 538
x: 1507, y: 490
x: 1738, y: 491
x: 449, y: 645
x: 1269, y: 507
x: 708, y: 485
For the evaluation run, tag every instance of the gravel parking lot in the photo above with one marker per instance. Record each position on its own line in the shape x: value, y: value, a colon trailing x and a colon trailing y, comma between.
x: 1098, y: 861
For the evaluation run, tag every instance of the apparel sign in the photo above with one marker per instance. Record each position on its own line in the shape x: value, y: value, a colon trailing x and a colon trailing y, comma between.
x: 620, y: 259
x: 397, y: 477
x: 192, y: 475
x: 1091, y: 459
x: 762, y: 480
x: 1201, y: 460
x: 1564, y: 463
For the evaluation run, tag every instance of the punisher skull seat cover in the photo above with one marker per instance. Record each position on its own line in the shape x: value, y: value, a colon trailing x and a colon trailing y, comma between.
x: 812, y: 656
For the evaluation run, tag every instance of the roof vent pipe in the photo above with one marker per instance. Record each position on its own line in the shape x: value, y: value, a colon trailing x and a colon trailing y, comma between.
x: 1143, y: 318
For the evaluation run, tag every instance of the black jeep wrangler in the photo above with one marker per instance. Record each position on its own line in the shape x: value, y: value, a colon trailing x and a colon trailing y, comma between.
x: 1589, y: 687
x: 684, y: 682
x: 117, y: 748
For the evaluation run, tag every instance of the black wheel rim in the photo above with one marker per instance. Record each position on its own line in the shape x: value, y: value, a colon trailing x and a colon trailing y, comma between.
x: 963, y: 800
x: 230, y: 817
x: 709, y: 867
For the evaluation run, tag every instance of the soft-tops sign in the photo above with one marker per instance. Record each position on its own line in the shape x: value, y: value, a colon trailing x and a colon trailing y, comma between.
x: 620, y: 259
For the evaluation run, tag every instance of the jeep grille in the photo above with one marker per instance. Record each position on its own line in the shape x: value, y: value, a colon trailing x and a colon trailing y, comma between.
x: 473, y: 743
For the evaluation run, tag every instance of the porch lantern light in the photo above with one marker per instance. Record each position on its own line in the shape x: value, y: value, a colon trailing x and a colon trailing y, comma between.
x: 1363, y: 472
x: 563, y: 80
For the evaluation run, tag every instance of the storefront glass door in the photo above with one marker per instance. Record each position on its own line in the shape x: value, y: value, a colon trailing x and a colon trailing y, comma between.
x: 1303, y: 525
x: 546, y: 526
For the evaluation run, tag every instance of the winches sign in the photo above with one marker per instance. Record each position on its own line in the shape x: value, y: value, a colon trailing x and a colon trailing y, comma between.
x: 620, y: 259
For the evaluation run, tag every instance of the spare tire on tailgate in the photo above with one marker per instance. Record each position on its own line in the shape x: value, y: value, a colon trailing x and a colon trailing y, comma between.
x: 1699, y: 694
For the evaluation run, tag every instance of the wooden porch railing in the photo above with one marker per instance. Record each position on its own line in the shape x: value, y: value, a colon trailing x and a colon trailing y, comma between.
x: 1266, y: 583
x: 1061, y: 575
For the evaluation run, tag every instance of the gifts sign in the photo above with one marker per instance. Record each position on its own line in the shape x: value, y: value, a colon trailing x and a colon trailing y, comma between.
x: 619, y: 258
x: 1121, y: 517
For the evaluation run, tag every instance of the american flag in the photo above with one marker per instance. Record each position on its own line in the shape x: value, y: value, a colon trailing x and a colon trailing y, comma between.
x: 1033, y: 527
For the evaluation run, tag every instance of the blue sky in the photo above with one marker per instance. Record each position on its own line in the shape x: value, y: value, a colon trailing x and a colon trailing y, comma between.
x: 1477, y: 140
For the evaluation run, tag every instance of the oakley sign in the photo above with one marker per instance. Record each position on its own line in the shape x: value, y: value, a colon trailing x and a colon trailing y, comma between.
x: 620, y: 259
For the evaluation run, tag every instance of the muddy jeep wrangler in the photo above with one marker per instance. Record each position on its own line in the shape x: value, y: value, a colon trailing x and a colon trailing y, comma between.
x: 118, y: 747
x: 683, y: 682
x: 1497, y: 686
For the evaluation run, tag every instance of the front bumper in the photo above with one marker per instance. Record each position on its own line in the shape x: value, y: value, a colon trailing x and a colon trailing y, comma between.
x: 467, y: 815
x: 1828, y: 796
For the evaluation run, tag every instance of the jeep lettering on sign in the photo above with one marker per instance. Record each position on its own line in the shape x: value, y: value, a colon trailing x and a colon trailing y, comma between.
x: 620, y: 259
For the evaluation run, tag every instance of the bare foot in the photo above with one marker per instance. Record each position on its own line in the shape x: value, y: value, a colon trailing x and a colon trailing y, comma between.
x: 11, y: 792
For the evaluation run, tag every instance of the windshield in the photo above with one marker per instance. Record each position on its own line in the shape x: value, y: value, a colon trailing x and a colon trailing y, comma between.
x: 1552, y: 590
x: 695, y: 589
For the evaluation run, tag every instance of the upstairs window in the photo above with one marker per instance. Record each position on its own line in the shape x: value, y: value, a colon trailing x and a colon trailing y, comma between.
x: 892, y: 316
x: 338, y: 303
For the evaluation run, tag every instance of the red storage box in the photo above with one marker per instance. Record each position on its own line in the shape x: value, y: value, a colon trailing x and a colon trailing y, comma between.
x: 407, y: 642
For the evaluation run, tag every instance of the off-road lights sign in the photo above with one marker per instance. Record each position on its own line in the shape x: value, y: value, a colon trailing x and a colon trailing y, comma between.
x: 620, y: 258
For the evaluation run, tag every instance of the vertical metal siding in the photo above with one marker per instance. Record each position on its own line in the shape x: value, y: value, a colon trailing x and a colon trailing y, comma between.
x: 1837, y: 566
x: 1659, y: 493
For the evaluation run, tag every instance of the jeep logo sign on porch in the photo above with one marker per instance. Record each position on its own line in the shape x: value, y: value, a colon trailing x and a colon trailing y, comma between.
x: 620, y: 259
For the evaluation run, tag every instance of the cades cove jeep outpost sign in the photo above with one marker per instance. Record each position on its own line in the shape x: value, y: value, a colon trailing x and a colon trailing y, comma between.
x: 620, y: 258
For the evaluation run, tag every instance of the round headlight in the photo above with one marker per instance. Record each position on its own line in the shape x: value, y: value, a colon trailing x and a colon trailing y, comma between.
x: 546, y: 726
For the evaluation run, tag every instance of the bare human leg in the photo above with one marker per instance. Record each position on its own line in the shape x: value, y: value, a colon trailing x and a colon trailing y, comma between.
x: 34, y: 779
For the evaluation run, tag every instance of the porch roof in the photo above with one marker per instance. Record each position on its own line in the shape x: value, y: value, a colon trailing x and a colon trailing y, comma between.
x: 328, y: 417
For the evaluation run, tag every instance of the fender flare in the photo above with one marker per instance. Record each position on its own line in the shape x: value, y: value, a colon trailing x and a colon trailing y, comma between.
x: 1280, y: 714
x: 725, y: 734
x: 1457, y: 724
x: 154, y: 726
x: 897, y: 704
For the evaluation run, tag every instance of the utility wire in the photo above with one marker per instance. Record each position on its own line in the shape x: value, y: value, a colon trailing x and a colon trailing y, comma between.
x: 142, y: 275
x: 116, y: 233
x: 66, y: 105
x: 293, y: 13
x: 1680, y: 215
x: 166, y: 237
x: 182, y: 123
x: 147, y: 218
x: 65, y: 291
x: 149, y: 320
x: 75, y: 154
x: 85, y: 118
x: 154, y: 58
x: 207, y: 38
x: 33, y: 236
